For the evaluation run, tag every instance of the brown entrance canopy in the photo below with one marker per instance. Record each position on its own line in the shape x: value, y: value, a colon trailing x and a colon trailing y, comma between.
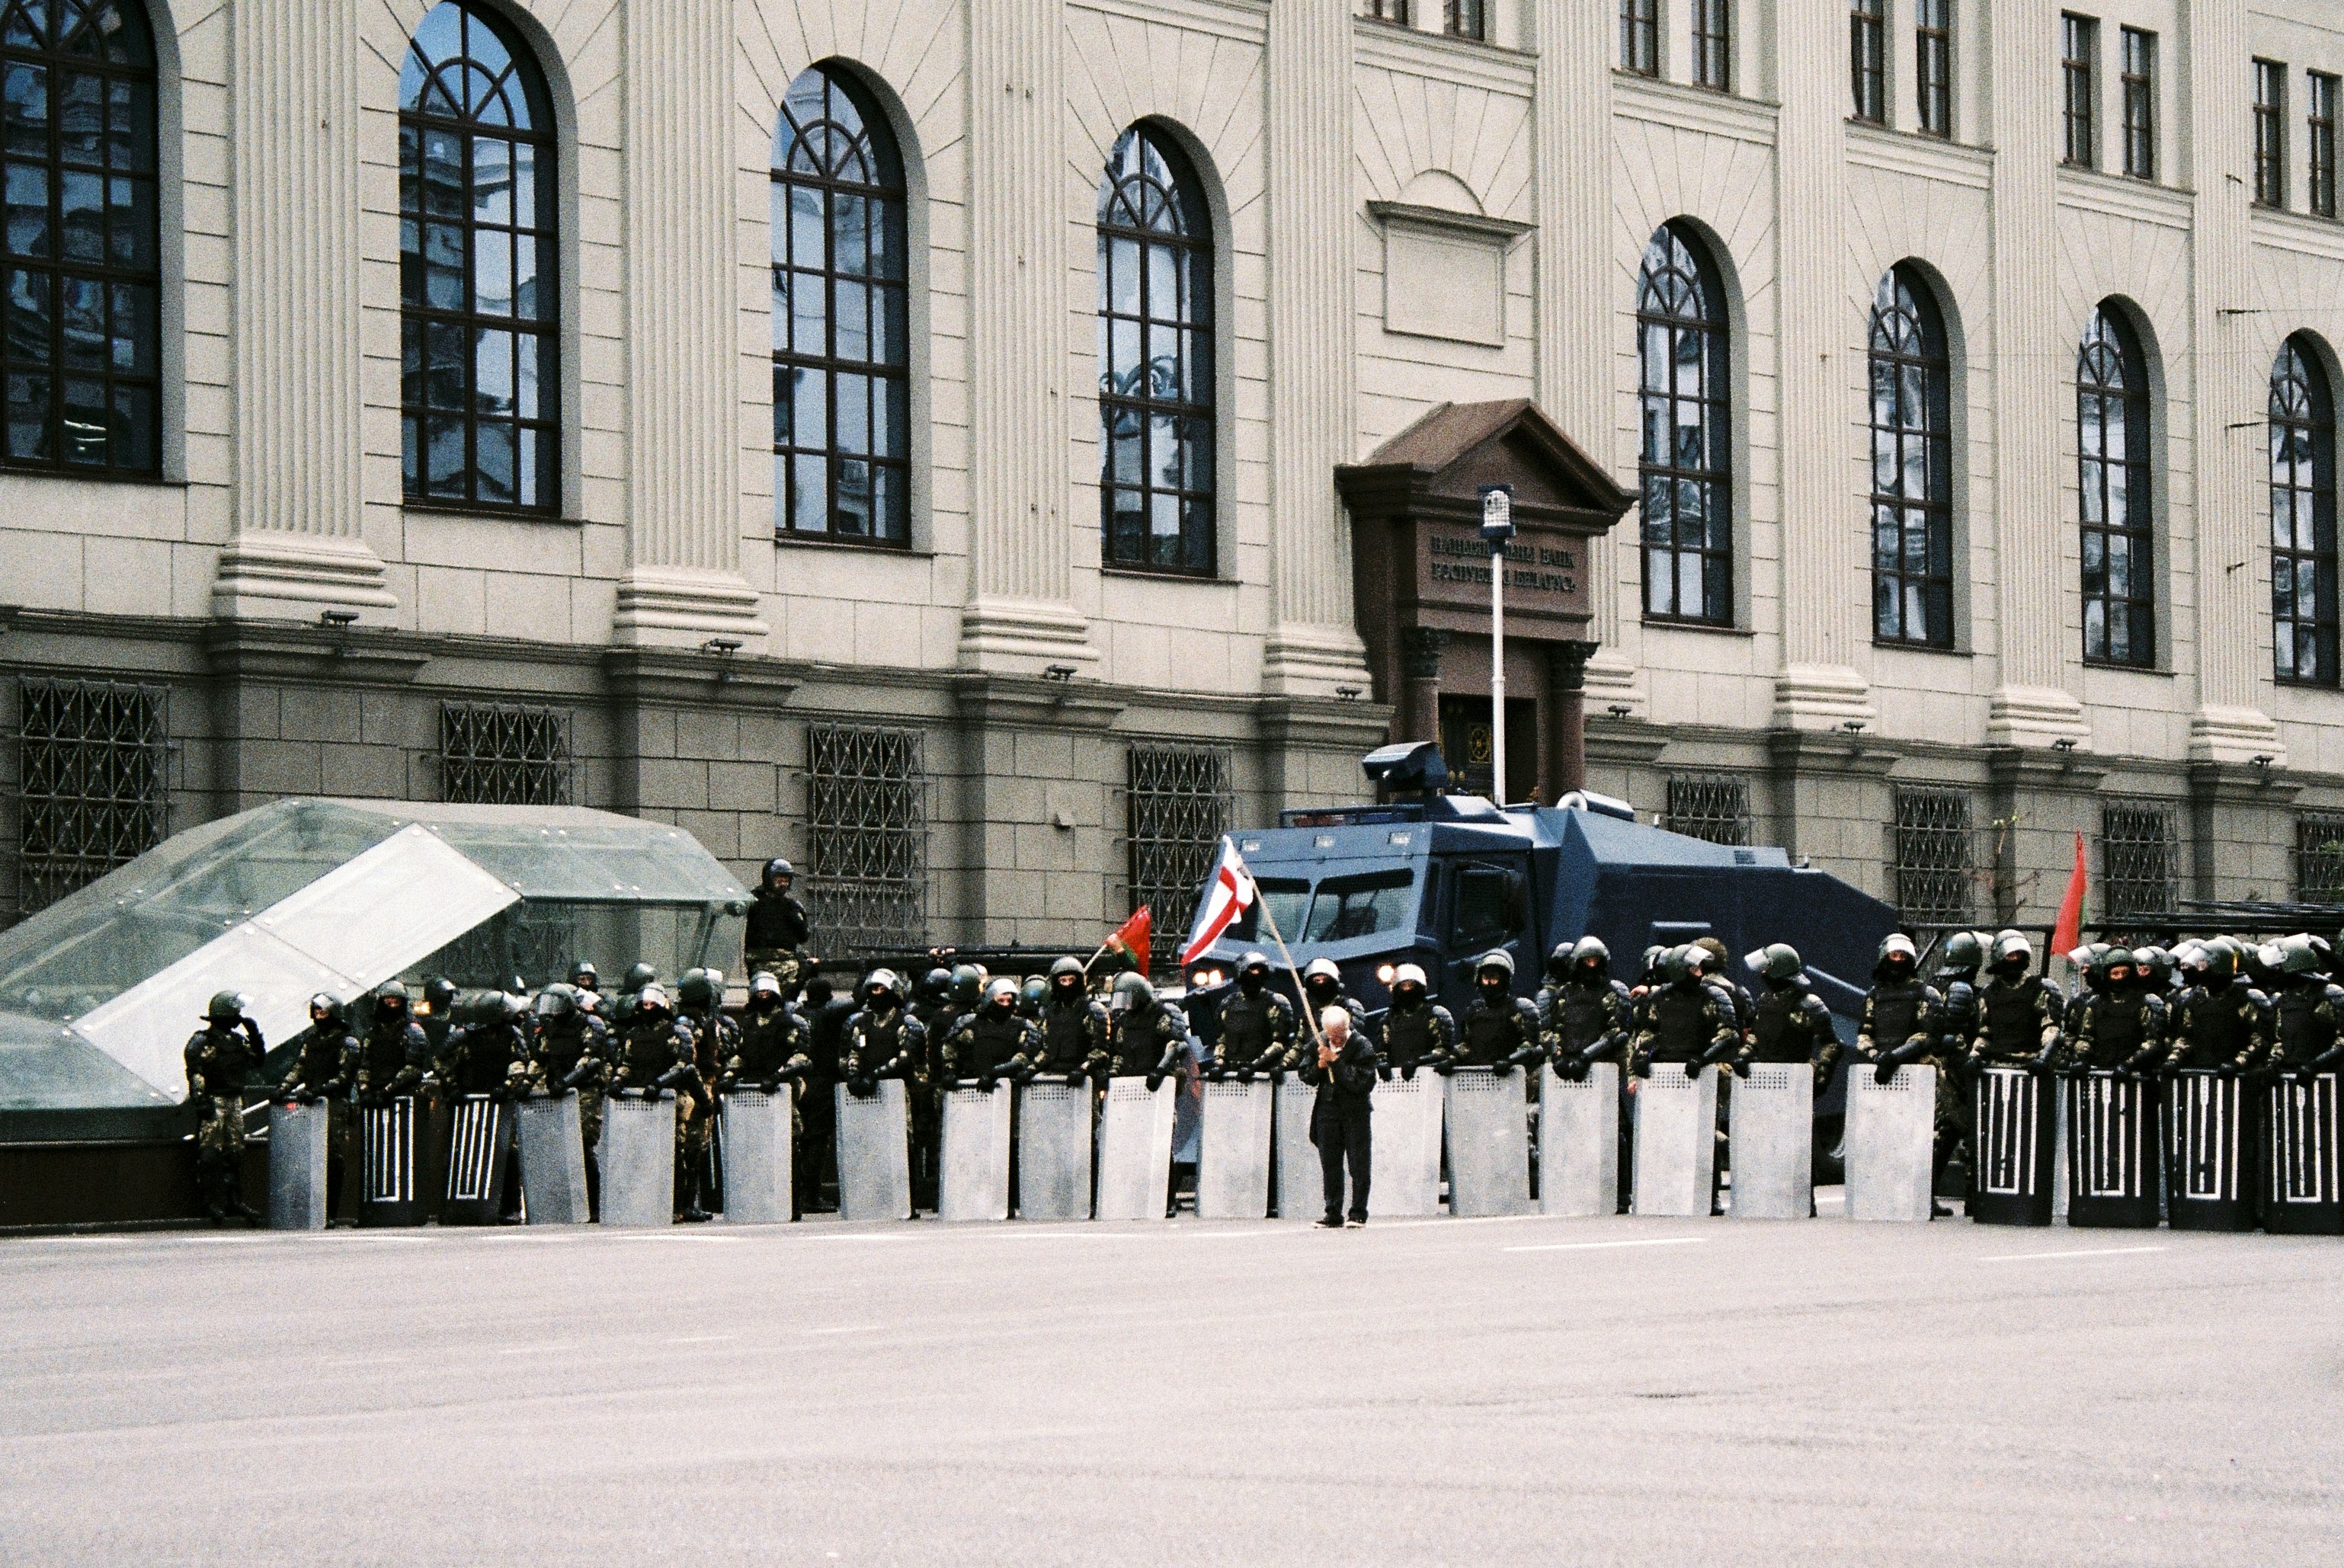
x: 1421, y: 573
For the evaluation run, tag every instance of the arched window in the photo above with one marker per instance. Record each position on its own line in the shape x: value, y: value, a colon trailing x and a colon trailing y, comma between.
x: 2302, y: 518
x: 1911, y: 467
x: 2113, y: 484
x: 478, y: 265
x: 1687, y: 462
x: 82, y: 353
x: 841, y: 349
x: 1156, y: 359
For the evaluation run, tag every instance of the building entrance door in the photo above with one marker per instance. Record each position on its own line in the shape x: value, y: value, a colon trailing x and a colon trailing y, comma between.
x: 1470, y: 746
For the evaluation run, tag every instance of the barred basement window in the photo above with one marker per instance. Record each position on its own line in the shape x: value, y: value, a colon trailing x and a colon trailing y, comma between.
x: 867, y: 872
x: 494, y: 755
x: 1932, y: 857
x: 93, y: 781
x: 1179, y: 805
x: 2319, y: 858
x: 2138, y: 858
x: 1711, y: 806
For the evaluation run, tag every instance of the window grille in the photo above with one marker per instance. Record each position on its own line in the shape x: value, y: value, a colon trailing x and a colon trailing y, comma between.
x: 93, y: 781
x: 866, y: 838
x: 1934, y: 857
x: 2319, y: 858
x: 2137, y: 859
x: 491, y: 753
x: 1711, y: 806
x: 1180, y: 802
x: 1687, y: 465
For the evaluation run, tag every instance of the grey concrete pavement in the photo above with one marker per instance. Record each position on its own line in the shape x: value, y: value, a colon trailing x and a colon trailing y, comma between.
x: 1442, y: 1391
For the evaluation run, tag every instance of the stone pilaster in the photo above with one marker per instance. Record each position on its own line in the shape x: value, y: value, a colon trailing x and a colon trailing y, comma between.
x: 1020, y: 614
x: 1314, y: 643
x: 682, y: 584
x: 1578, y: 324
x: 298, y: 502
x: 2230, y: 395
x: 1819, y: 684
x: 2031, y: 705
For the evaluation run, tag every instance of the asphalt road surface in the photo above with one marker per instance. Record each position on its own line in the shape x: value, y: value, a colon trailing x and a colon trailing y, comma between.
x: 1432, y: 1391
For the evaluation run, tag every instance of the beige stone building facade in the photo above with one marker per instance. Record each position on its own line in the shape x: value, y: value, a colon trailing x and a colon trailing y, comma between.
x: 908, y: 436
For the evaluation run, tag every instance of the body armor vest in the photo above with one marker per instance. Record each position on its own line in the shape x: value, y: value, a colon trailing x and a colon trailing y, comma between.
x: 1247, y: 1027
x: 2298, y: 1033
x: 1683, y: 1023
x: 1493, y: 1034
x: 648, y: 1049
x: 1585, y: 1013
x: 1137, y: 1040
x: 2119, y: 1024
x: 1068, y: 1034
x: 383, y: 1053
x: 232, y: 1060
x: 1779, y: 1031
x: 2215, y: 1026
x: 1896, y: 1011
x: 558, y: 1051
x: 768, y: 1041
x: 983, y: 1045
x: 1412, y: 1034
x: 2011, y: 1016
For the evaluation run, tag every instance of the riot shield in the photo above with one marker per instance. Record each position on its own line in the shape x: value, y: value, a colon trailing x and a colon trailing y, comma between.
x: 1135, y: 1149
x: 1405, y: 1160
x: 753, y: 1140
x: 480, y: 1149
x: 2111, y: 1152
x: 553, y: 1160
x: 298, y: 1142
x: 1771, y: 1138
x: 1233, y: 1166
x: 2300, y: 1192
x: 1676, y: 1142
x: 875, y: 1155
x: 1301, y: 1190
x: 389, y: 1189
x: 2014, y: 1135
x: 1891, y: 1143
x: 1579, y: 1142
x: 638, y: 1160
x: 975, y: 1164
x: 1488, y: 1121
x: 2211, y: 1152
x: 1054, y: 1151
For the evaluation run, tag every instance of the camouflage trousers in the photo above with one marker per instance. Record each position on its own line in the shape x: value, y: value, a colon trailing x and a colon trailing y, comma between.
x: 219, y: 1148
x: 787, y: 965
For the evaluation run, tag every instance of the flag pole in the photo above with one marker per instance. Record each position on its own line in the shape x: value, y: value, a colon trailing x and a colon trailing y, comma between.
x: 1309, y: 1013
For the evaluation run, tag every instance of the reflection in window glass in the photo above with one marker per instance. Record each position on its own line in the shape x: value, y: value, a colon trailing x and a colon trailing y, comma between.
x: 1688, y: 512
x: 1485, y: 901
x: 1287, y: 903
x: 1359, y: 906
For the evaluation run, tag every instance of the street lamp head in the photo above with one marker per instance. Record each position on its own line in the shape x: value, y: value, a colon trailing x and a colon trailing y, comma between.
x: 1620, y: 710
x: 1497, y: 514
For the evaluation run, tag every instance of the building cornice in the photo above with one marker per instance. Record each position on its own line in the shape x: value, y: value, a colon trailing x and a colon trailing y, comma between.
x: 1671, y: 104
x: 2132, y: 200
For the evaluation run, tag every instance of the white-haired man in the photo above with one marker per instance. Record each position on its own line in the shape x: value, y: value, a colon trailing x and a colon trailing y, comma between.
x: 1342, y: 1064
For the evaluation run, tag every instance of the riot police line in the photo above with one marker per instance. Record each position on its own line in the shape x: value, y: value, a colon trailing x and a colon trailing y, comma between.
x: 2198, y: 1086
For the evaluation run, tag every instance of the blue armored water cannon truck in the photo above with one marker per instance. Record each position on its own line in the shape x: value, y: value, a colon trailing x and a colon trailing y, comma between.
x: 1436, y: 879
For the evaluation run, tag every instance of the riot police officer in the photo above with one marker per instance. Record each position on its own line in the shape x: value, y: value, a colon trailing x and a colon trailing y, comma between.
x: 778, y: 927
x: 220, y: 1058
x: 1417, y: 1030
x: 2120, y: 1026
x: 486, y: 1051
x: 700, y: 999
x: 327, y: 1058
x: 1031, y: 996
x: 825, y: 1014
x: 572, y: 1051
x: 2018, y: 1014
x: 1708, y: 956
x: 1322, y: 988
x: 1899, y: 1028
x: 585, y: 978
x: 1686, y: 1024
x: 1789, y: 1022
x: 2218, y: 1024
x: 655, y: 1052
x: 638, y: 977
x: 1147, y: 1036
x: 1586, y: 1015
x: 2305, y: 1014
x: 1500, y: 1030
x: 1256, y: 1027
x: 993, y: 1042
x: 769, y: 1047
x: 394, y: 1054
x: 436, y: 1013
x: 884, y: 1039
x: 1074, y: 1027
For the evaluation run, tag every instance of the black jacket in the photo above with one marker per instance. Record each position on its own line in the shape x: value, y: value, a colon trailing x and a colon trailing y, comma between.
x: 1344, y: 1089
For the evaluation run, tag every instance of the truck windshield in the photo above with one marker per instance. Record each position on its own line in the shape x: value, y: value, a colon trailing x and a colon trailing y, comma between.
x: 1286, y: 900
x: 1370, y: 905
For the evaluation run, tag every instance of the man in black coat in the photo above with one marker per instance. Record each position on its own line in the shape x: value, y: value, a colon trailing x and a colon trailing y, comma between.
x: 1343, y: 1066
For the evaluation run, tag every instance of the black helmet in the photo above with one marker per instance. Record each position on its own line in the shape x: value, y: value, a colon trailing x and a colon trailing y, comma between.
x: 324, y: 1009
x: 1032, y: 995
x: 641, y: 976
x: 699, y: 987
x: 557, y: 1001
x: 1067, y: 968
x: 1777, y: 962
x: 1963, y: 953
x: 967, y: 985
x: 583, y: 975
x: 1557, y: 963
x: 390, y: 995
x: 778, y: 870
x: 937, y: 982
x: 1132, y: 990
x: 763, y: 987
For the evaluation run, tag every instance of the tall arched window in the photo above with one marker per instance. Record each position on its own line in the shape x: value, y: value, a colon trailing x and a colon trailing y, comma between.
x: 1687, y: 462
x: 1156, y: 359
x: 82, y: 353
x: 478, y: 263
x: 2113, y: 484
x: 2302, y: 518
x: 842, y: 347
x: 1911, y: 467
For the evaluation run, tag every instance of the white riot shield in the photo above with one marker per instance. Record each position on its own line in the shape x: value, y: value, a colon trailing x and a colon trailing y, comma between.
x: 480, y: 1151
x: 1135, y: 1149
x: 1233, y: 1166
x: 299, y: 1143
x: 1302, y: 1190
x: 390, y: 1168
x: 754, y: 1143
x: 1891, y: 1143
x: 552, y: 1160
x: 1579, y: 1142
x: 1487, y: 1122
x: 2112, y: 1151
x: 1770, y: 1133
x: 2012, y: 1132
x: 638, y: 1160
x: 2300, y: 1195
x: 874, y: 1154
x: 1054, y: 1151
x: 1405, y: 1119
x: 2211, y: 1152
x: 1676, y: 1142
x: 975, y: 1184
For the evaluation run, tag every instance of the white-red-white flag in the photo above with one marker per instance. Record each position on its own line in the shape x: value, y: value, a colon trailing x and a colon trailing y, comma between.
x: 1228, y: 894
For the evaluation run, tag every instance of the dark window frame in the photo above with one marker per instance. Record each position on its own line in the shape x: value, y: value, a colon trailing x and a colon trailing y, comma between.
x: 2322, y: 89
x: 2138, y: 81
x: 1910, y: 417
x: 2112, y: 398
x: 1712, y: 45
x: 2079, y: 49
x: 1680, y: 297
x: 1154, y: 213
x: 1393, y: 11
x: 1639, y: 38
x: 1466, y: 19
x: 2302, y: 481
x: 101, y: 269
x: 815, y: 154
x: 428, y: 383
x: 1867, y: 59
x: 2271, y: 133
x: 1933, y: 66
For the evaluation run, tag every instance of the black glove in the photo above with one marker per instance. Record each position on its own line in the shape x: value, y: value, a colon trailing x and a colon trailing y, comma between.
x: 862, y: 1087
x: 1641, y: 1067
x: 1502, y: 1067
x: 1527, y: 1056
x: 1572, y: 1068
x: 1244, y: 1074
x: 1886, y: 1070
x: 1693, y: 1064
x: 1384, y: 1071
x: 1823, y: 1077
x: 990, y: 1082
x: 1740, y: 1069
x: 1154, y: 1082
x: 2042, y: 1062
x: 1216, y: 1074
x: 1077, y: 1079
x: 1408, y: 1073
x: 1444, y: 1069
x: 2226, y: 1069
x: 1276, y: 1075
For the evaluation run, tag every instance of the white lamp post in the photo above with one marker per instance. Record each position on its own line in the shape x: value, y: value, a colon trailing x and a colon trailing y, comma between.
x: 1496, y: 530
